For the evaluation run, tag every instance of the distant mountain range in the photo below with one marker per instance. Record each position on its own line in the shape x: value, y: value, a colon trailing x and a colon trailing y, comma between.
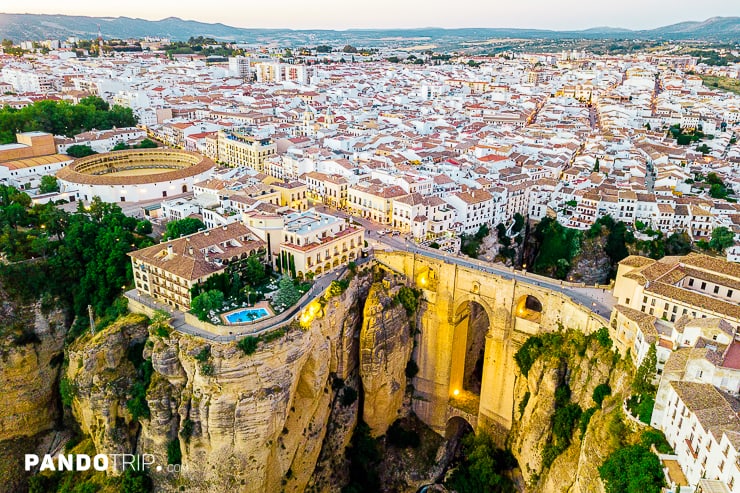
x: 21, y: 27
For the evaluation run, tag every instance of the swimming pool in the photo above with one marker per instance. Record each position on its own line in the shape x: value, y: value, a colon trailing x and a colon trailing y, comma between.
x: 246, y: 315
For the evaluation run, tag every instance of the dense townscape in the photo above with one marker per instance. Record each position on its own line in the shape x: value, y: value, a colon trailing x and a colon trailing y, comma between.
x: 252, y: 184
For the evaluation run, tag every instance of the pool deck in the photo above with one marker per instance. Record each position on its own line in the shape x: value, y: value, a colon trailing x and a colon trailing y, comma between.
x: 257, y: 306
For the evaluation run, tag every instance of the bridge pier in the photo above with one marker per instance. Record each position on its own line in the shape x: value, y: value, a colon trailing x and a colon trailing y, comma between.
x: 515, y: 310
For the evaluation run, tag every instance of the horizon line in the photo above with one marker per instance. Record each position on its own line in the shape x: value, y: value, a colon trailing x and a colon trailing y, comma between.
x: 371, y: 28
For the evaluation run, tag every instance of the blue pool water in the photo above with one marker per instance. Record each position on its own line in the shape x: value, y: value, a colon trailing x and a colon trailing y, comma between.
x: 246, y: 315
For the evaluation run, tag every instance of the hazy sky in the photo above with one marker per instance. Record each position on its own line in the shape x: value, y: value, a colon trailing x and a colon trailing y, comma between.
x: 333, y: 14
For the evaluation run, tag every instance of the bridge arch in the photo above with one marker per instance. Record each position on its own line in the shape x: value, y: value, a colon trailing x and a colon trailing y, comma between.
x: 457, y: 426
x: 528, y: 307
x: 472, y: 323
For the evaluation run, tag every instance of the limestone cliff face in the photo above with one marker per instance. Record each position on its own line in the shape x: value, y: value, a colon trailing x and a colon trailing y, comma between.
x: 29, y: 370
x: 385, y: 348
x: 575, y: 470
x: 31, y: 355
x: 258, y: 420
x: 101, y: 375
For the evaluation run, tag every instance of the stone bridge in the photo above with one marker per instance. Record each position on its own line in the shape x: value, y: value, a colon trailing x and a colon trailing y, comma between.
x: 471, y: 324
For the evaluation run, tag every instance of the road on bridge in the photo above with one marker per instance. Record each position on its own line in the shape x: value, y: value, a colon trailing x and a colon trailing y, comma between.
x: 598, y: 300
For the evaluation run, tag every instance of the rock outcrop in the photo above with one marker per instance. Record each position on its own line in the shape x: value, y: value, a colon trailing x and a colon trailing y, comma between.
x: 101, y: 373
x: 31, y: 358
x: 385, y: 347
x: 575, y: 470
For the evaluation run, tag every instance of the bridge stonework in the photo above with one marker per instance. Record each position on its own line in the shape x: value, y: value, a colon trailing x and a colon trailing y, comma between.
x: 448, y: 290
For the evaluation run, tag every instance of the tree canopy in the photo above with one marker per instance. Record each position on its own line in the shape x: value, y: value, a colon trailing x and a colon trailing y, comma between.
x: 722, y: 238
x: 79, y: 151
x: 183, y: 227
x: 63, y: 118
x: 49, y: 184
x: 633, y: 469
x: 206, y: 302
x: 79, y: 257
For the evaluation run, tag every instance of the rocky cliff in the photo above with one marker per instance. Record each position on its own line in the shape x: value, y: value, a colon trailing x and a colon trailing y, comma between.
x: 242, y: 422
x: 385, y: 348
x: 31, y: 355
x: 581, y: 365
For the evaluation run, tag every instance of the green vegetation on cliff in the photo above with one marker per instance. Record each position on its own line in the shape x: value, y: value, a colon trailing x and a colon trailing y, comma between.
x: 632, y: 469
x: 78, y: 258
x: 483, y: 468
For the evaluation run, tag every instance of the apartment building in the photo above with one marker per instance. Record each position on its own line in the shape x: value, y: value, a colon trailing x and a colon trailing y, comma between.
x: 168, y: 271
x: 238, y: 148
x: 373, y: 201
x: 702, y: 425
x: 695, y: 285
x: 474, y: 209
x: 315, y: 243
x: 308, y: 243
x: 292, y: 194
x: 423, y: 217
x: 331, y: 190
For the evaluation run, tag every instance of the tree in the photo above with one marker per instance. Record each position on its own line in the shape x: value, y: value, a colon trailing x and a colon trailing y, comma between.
x: 643, y: 382
x: 717, y: 191
x: 722, y: 238
x: 144, y: 227
x: 183, y: 227
x: 206, y: 302
x: 349, y: 49
x: 409, y: 299
x: 482, y: 468
x: 596, y: 166
x: 79, y: 151
x: 600, y: 393
x: 134, y: 481
x: 49, y: 184
x: 121, y: 146
x: 287, y: 294
x: 678, y: 244
x: 254, y: 271
x: 633, y: 469
x: 146, y: 144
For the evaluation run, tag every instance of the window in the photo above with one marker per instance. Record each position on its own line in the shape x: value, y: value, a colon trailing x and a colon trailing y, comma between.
x: 716, y: 290
x: 729, y: 293
x: 703, y: 286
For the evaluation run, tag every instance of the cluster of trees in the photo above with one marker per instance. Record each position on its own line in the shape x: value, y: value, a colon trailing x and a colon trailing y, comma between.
x: 182, y: 227
x: 63, y: 118
x: 684, y: 138
x: 144, y: 144
x: 483, y: 468
x: 470, y: 244
x: 717, y: 187
x: 79, y: 258
x: 558, y: 246
x: 238, y: 283
x: 202, y: 46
